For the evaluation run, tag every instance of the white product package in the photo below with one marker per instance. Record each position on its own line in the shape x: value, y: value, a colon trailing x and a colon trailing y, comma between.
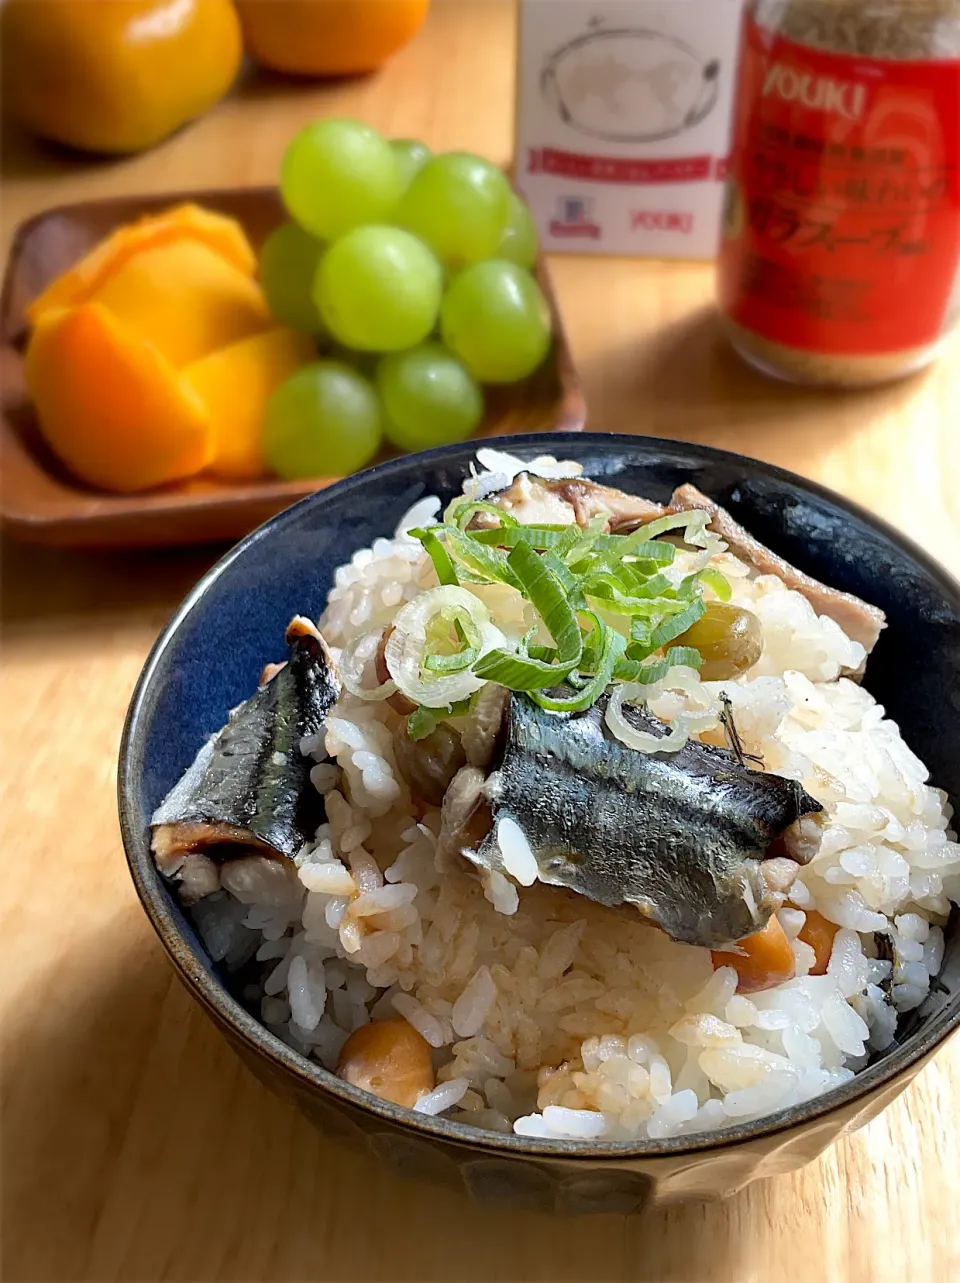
x: 623, y: 122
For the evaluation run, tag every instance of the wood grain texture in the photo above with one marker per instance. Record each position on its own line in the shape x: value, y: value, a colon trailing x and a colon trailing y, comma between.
x: 135, y: 1146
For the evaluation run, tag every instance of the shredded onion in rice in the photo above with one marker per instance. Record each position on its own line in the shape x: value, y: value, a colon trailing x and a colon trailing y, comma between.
x: 406, y: 646
x: 683, y: 725
x: 353, y: 661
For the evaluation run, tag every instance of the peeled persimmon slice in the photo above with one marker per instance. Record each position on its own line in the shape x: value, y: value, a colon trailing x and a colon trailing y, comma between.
x: 185, y: 299
x: 111, y: 406
x: 234, y: 385
x: 222, y: 235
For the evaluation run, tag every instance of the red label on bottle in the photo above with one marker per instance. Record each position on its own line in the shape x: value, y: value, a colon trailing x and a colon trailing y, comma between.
x: 842, y: 223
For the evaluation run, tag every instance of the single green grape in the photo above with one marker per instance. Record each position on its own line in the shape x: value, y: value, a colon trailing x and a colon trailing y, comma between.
x: 337, y: 174
x: 429, y: 397
x: 378, y: 289
x: 495, y: 318
x: 458, y: 204
x: 288, y: 265
x: 519, y: 243
x: 411, y: 156
x: 323, y: 421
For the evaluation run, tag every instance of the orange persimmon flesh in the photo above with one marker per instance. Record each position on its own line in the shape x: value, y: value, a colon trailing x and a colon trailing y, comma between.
x: 185, y: 299
x: 111, y: 405
x: 234, y: 385
x: 765, y: 959
x: 223, y: 236
x: 818, y: 932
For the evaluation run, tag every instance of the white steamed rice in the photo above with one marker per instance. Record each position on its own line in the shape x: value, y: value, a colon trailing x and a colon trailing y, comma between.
x: 552, y: 1016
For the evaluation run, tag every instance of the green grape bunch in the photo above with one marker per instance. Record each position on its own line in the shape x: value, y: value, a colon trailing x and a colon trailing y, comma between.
x: 414, y: 273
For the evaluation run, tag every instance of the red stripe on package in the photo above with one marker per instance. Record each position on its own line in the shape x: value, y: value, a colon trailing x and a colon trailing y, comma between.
x: 611, y: 169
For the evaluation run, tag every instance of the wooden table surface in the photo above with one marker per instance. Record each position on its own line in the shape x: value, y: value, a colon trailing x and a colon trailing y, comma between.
x: 135, y: 1146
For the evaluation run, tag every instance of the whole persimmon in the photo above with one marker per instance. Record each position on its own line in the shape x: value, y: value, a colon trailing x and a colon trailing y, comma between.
x: 328, y: 37
x: 115, y: 75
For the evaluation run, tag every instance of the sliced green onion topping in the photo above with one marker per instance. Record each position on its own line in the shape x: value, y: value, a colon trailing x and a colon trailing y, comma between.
x: 468, y: 635
x: 462, y: 511
x: 611, y: 647
x: 603, y: 598
x: 568, y: 580
x: 488, y: 565
x: 655, y: 670
x: 540, y: 537
x: 693, y: 522
x: 679, y: 624
x: 719, y: 583
x: 442, y: 561
x: 583, y: 542
x: 422, y: 722
x: 541, y: 586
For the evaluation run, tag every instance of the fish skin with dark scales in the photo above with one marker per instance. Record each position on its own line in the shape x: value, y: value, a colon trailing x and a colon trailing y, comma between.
x: 680, y: 835
x: 250, y: 784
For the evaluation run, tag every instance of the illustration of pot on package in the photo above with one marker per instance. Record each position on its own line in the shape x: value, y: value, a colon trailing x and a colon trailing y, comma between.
x: 623, y: 123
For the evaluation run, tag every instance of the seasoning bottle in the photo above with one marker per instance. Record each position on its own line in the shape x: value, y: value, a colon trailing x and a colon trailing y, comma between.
x: 840, y: 253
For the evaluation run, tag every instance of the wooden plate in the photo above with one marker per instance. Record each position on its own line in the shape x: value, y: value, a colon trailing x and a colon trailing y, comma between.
x: 42, y: 502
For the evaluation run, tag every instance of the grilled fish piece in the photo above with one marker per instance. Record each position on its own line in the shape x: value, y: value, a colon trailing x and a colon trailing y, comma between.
x: 681, y: 836
x: 249, y: 786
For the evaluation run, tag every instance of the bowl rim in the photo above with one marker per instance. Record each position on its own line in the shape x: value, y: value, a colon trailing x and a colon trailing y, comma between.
x: 205, y: 985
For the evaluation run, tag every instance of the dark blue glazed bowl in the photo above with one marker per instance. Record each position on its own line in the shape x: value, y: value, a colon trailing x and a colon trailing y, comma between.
x: 209, y: 657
